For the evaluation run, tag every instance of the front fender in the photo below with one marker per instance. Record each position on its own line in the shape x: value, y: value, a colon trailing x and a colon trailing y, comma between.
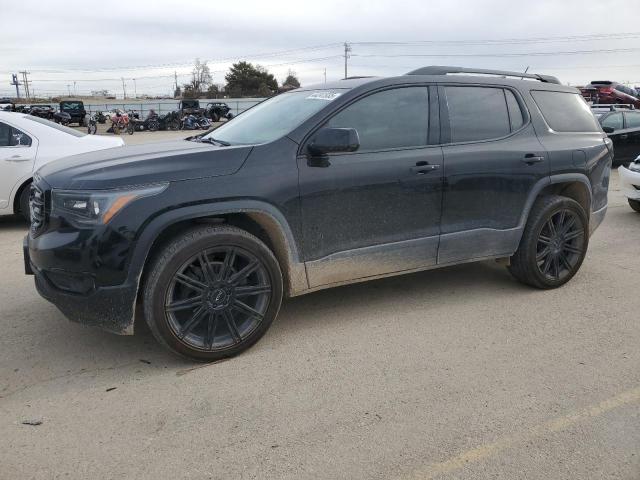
x: 266, y: 214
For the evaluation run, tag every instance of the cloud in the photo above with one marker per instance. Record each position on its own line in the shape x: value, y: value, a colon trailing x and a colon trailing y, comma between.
x: 61, y: 42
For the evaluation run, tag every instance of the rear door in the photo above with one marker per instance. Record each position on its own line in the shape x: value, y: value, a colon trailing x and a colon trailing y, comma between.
x: 492, y: 160
x: 17, y: 158
x: 628, y: 146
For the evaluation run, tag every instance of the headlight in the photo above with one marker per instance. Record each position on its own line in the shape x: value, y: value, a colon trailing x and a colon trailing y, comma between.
x: 97, y: 206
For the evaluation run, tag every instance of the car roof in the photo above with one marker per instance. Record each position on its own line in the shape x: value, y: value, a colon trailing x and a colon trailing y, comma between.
x: 526, y: 84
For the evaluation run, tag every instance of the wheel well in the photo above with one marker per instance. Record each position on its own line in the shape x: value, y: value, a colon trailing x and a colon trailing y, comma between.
x: 261, y: 225
x: 16, y: 199
x: 577, y: 191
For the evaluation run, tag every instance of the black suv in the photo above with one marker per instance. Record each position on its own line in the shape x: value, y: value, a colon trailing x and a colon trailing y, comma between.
x: 75, y: 110
x: 316, y: 188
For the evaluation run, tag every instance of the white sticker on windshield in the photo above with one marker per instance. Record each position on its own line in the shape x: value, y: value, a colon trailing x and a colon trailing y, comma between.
x: 328, y: 96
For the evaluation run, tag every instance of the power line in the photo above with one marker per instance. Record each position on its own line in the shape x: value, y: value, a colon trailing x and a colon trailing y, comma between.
x: 497, y: 55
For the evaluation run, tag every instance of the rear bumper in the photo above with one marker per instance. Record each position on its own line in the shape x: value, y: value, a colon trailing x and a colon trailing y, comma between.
x: 629, y: 180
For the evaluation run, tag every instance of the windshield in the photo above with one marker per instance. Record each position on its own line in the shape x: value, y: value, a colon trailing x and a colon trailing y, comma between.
x: 71, y: 105
x: 57, y: 126
x: 274, y: 117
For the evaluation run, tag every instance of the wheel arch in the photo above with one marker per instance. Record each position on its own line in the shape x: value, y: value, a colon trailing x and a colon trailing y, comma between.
x: 258, y: 218
x: 15, y: 201
x: 572, y: 185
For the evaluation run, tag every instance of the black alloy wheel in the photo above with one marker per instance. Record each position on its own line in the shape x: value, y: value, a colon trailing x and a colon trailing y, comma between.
x: 217, y: 298
x: 212, y: 292
x: 561, y: 245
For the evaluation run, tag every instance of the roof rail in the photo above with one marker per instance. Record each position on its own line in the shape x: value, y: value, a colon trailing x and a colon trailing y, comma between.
x: 441, y: 70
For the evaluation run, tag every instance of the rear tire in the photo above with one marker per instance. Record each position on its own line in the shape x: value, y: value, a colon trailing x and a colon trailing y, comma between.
x: 553, y: 245
x: 635, y: 204
x: 24, y: 202
x: 212, y: 292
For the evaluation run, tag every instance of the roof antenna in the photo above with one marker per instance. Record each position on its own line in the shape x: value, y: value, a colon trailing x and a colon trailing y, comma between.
x: 525, y: 71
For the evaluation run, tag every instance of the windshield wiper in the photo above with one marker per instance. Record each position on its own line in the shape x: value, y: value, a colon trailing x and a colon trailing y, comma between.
x: 214, y: 141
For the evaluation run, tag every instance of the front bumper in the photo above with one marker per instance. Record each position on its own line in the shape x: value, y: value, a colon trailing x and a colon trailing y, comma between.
x: 110, y: 308
x: 629, y: 183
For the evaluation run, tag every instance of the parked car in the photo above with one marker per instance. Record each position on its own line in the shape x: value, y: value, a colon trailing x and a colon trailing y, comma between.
x: 6, y: 104
x: 42, y: 111
x: 605, y: 91
x: 190, y: 107
x: 600, y: 109
x: 630, y: 183
x: 210, y: 234
x: 27, y: 143
x: 623, y: 128
x: 217, y: 110
x: 75, y: 110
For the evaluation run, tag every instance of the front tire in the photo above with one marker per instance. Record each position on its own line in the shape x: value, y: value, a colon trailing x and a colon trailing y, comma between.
x: 212, y: 292
x: 553, y: 245
x: 635, y: 204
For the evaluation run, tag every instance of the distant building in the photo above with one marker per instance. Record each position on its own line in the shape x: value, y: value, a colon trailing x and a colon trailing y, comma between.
x: 100, y: 93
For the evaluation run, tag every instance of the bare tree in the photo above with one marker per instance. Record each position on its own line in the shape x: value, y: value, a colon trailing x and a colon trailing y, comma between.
x: 200, y: 79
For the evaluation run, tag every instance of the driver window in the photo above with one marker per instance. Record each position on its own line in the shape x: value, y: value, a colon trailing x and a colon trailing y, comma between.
x: 389, y: 119
x: 614, y: 121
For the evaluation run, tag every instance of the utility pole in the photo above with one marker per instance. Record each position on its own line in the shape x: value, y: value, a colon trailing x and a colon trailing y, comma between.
x: 69, y: 88
x: 347, y: 49
x: 14, y: 81
x: 325, y: 75
x: 75, y: 90
x: 124, y: 88
x: 25, y: 82
x: 175, y: 75
x: 135, y: 89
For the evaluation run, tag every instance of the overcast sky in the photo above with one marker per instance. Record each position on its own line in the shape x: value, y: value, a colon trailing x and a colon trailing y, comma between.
x: 95, y: 43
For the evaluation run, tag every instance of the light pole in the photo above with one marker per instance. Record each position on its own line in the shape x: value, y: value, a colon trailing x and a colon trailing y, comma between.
x: 135, y: 88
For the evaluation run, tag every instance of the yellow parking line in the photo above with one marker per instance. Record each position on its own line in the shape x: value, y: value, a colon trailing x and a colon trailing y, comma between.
x: 555, y: 425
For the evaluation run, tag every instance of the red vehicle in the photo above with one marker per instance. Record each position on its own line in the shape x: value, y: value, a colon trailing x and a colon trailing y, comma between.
x: 605, y: 91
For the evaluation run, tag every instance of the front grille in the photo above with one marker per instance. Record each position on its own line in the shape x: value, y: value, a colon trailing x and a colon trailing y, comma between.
x: 37, y: 208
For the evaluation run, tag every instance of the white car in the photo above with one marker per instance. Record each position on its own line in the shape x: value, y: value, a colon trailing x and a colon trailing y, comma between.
x: 630, y: 183
x: 27, y: 143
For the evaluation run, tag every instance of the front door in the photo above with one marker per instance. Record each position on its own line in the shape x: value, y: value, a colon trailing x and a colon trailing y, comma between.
x: 17, y: 158
x: 377, y: 210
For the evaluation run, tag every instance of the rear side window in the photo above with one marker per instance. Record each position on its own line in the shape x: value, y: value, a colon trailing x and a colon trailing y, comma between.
x: 633, y: 120
x: 477, y: 113
x: 565, y: 112
x: 395, y: 118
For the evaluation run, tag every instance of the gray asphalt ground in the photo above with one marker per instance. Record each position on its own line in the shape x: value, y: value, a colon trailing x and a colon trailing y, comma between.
x: 459, y: 373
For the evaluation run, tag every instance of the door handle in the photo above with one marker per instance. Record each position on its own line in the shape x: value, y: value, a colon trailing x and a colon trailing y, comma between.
x: 424, y: 167
x: 624, y: 136
x: 16, y: 158
x: 531, y: 158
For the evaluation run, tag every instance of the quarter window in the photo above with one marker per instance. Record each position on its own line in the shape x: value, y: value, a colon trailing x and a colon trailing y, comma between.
x: 389, y: 119
x: 12, y: 137
x: 633, y: 120
x: 565, y: 111
x: 478, y: 113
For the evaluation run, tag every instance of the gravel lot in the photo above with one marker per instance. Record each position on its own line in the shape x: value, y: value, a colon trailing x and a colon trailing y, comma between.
x: 460, y: 373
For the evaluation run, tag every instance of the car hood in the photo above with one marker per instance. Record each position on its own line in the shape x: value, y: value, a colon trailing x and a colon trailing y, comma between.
x: 143, y: 164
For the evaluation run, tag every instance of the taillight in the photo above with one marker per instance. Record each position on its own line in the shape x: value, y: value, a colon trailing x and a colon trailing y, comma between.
x: 606, y: 89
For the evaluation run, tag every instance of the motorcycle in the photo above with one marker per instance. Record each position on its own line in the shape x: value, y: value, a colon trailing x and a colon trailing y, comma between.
x: 190, y: 122
x: 63, y: 118
x: 120, y: 122
x: 170, y: 121
x: 205, y: 123
x: 151, y: 123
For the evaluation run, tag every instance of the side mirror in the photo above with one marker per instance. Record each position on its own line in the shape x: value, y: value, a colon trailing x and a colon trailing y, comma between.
x: 608, y: 129
x: 334, y: 140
